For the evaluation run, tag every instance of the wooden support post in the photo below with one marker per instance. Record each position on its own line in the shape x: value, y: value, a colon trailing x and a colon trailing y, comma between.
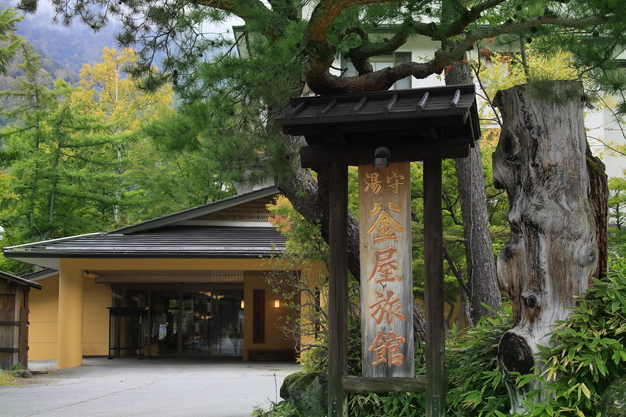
x: 338, y: 291
x: 433, y: 290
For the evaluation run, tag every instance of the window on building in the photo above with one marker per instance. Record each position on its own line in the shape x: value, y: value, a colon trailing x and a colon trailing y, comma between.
x: 384, y: 61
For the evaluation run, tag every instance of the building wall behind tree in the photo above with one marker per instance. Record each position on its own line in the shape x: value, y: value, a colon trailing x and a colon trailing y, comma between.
x: 44, y: 305
x: 43, y: 317
x: 96, y: 318
x: 275, y: 339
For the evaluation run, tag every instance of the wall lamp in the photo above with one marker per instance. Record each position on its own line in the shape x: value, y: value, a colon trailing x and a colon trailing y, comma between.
x: 277, y: 303
x: 381, y: 157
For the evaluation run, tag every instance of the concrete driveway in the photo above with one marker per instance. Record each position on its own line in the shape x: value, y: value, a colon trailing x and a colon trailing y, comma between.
x: 131, y: 387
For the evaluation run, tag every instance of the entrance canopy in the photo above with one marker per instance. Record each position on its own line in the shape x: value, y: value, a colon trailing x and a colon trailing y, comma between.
x: 189, y: 284
x: 412, y: 124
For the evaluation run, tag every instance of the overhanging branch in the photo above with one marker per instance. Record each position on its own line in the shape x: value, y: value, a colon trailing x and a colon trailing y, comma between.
x: 322, y: 82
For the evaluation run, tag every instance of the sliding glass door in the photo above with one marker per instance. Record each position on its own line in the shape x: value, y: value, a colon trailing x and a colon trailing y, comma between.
x: 189, y: 324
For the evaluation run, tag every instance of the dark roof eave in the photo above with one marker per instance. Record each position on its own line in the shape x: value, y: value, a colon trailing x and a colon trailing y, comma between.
x: 142, y: 255
x: 20, y: 280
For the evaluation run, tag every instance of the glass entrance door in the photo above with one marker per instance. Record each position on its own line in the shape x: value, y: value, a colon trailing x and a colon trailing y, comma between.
x: 227, y: 323
x: 164, y: 323
x: 198, y: 324
x: 196, y: 318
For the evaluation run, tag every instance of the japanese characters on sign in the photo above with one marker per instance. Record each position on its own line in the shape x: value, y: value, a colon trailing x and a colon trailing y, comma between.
x: 386, y: 282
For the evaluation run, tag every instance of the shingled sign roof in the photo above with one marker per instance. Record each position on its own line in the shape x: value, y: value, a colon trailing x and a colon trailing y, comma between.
x: 427, y: 118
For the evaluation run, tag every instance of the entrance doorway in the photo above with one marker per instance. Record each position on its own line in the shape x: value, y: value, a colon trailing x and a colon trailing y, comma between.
x: 181, y: 323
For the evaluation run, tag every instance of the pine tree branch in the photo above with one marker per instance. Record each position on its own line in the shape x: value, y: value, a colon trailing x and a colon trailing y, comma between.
x: 254, y: 11
x: 322, y: 52
x: 325, y: 14
x: 469, y: 16
x: 319, y: 47
x: 245, y: 10
x: 361, y: 54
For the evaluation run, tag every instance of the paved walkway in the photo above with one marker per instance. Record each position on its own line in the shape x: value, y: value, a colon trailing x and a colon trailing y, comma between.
x: 131, y: 387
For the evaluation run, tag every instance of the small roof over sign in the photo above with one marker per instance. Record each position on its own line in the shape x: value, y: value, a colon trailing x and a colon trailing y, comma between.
x: 431, y: 118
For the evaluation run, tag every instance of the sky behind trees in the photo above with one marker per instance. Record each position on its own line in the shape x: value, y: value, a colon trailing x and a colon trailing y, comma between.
x: 77, y: 44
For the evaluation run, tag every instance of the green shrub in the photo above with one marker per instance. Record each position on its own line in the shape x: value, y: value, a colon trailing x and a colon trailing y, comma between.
x: 7, y: 378
x: 589, y: 354
x: 475, y: 385
x: 281, y: 409
x: 17, y: 366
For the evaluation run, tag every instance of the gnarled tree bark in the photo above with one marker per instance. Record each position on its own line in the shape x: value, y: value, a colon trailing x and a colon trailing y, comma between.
x: 541, y: 162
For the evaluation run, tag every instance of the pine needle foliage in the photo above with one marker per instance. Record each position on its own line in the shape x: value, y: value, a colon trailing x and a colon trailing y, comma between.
x: 10, y: 40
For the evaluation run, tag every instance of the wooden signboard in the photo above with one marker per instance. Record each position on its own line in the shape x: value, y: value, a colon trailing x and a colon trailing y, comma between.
x: 386, y: 279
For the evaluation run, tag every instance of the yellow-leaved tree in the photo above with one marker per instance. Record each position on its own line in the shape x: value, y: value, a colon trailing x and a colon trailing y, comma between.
x: 122, y: 109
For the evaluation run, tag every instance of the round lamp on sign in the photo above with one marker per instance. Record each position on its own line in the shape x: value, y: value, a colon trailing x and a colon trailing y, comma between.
x: 381, y: 157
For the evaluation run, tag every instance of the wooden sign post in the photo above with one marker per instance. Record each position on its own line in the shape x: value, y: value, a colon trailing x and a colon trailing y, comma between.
x: 338, y: 291
x: 386, y: 276
x: 427, y: 125
x: 433, y: 290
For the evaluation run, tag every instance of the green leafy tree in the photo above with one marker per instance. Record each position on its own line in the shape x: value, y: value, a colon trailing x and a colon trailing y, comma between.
x: 139, y: 170
x: 288, y: 43
x: 51, y: 154
x: 457, y: 282
x: 76, y: 154
x: 10, y: 40
x: 10, y: 45
x: 77, y: 159
x: 617, y: 225
x: 229, y: 102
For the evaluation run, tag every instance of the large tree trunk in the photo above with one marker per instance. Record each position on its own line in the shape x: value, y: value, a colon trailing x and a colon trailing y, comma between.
x: 541, y: 162
x: 481, y: 267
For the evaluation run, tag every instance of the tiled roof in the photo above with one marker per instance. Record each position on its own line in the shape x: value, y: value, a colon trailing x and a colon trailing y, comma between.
x: 169, y: 242
x: 203, y: 210
x: 179, y: 235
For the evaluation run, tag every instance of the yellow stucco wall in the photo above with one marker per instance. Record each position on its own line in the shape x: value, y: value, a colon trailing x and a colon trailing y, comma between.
x: 44, y: 304
x: 96, y: 318
x: 44, y: 313
x: 43, y: 329
x: 274, y: 337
